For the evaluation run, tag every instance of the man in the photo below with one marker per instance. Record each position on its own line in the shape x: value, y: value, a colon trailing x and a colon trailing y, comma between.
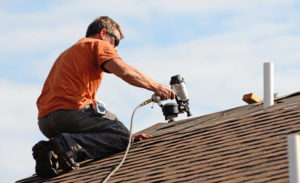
x: 70, y: 115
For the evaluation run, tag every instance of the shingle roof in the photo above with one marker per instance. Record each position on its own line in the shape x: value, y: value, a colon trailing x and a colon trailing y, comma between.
x: 244, y: 144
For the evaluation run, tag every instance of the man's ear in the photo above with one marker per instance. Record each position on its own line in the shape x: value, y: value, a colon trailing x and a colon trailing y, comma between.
x: 102, y: 34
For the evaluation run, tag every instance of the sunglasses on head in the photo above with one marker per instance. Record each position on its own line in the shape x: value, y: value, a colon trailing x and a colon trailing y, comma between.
x: 117, y: 40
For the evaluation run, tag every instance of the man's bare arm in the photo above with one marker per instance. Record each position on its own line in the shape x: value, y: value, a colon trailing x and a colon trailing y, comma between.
x: 136, y: 78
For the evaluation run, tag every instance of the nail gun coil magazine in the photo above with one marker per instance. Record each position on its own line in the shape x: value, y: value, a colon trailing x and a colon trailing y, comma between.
x: 171, y: 110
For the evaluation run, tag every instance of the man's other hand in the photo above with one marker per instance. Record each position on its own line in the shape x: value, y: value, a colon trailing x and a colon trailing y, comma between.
x: 140, y: 137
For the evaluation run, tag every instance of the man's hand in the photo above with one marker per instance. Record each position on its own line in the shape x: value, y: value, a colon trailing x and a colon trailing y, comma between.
x: 140, y: 137
x: 165, y: 92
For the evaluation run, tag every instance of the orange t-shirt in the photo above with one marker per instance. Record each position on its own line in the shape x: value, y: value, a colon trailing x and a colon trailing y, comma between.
x: 75, y: 76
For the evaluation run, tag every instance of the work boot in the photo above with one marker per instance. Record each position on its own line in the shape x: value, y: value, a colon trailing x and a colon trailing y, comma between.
x: 46, y: 160
x: 66, y: 162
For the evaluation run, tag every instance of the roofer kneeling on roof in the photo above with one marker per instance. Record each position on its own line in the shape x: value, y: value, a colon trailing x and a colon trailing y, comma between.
x: 77, y: 125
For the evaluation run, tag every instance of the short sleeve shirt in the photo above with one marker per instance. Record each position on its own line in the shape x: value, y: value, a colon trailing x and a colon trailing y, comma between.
x: 75, y: 76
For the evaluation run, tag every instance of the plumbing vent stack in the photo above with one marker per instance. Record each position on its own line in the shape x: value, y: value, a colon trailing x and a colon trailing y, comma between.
x: 293, y: 157
x: 268, y: 85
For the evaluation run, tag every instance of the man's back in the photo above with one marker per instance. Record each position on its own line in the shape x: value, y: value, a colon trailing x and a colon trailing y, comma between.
x: 75, y: 76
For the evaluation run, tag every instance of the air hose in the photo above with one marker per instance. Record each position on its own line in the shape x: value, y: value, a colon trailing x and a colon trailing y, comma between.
x: 129, y: 140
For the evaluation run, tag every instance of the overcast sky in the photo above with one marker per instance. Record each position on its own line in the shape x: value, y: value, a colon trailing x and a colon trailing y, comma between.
x: 219, y: 47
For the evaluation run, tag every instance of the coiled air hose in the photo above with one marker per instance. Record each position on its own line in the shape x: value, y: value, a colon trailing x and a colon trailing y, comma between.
x: 129, y: 140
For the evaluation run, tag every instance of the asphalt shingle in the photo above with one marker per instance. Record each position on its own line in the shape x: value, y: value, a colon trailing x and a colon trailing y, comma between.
x: 244, y: 144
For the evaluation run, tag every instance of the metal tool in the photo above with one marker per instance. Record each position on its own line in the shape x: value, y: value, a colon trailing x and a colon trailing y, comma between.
x: 171, y: 110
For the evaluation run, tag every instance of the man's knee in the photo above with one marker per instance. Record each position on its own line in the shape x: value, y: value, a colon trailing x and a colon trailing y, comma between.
x: 45, y: 127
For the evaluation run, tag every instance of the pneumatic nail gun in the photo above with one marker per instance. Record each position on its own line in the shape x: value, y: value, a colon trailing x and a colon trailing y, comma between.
x: 171, y: 110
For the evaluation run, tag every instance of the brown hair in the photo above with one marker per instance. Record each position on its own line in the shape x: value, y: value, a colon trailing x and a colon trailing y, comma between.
x: 103, y: 22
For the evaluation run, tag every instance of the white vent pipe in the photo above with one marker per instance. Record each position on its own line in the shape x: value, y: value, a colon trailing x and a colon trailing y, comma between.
x: 293, y: 157
x: 268, y: 85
